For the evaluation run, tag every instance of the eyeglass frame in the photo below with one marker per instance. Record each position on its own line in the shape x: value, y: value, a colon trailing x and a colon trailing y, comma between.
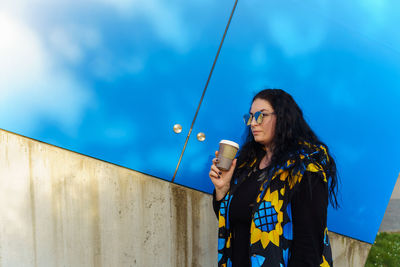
x: 258, y: 116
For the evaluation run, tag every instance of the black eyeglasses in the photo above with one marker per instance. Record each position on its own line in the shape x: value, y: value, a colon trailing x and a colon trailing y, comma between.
x: 258, y: 116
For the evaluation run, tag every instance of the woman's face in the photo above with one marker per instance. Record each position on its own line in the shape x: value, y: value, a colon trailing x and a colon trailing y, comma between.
x: 265, y: 131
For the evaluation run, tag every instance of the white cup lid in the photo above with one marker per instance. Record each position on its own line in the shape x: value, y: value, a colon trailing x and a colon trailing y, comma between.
x: 230, y: 143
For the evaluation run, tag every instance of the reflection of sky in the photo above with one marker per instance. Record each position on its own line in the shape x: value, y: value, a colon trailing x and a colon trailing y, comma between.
x: 109, y: 79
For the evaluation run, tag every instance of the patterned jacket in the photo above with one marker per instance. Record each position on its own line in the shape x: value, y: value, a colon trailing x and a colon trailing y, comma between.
x: 271, y: 230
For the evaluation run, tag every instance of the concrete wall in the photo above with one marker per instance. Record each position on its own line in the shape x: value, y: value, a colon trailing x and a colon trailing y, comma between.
x: 391, y: 220
x: 396, y: 190
x: 59, y: 208
x: 348, y: 252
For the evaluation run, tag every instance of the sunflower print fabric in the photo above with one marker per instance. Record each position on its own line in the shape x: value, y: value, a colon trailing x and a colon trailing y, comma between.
x: 271, y: 231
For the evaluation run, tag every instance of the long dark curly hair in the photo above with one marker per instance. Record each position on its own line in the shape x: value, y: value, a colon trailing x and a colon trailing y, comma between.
x: 291, y: 132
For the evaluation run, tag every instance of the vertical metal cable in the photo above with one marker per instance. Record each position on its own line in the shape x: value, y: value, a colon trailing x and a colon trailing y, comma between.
x: 205, y: 89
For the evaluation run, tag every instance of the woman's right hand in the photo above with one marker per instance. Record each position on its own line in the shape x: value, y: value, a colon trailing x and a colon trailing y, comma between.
x: 221, y: 179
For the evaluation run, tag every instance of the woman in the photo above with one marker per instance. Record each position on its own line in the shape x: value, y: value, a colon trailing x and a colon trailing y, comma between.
x: 272, y: 203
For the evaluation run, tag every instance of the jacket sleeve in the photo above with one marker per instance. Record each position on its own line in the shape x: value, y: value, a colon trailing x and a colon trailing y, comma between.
x: 309, y: 211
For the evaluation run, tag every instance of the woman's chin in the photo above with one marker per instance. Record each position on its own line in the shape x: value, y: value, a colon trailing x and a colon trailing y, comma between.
x: 258, y: 139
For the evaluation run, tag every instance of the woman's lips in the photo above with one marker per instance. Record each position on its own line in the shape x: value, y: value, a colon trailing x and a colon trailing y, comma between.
x: 256, y: 132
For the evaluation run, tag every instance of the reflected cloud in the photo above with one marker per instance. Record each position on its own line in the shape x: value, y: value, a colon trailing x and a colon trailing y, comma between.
x: 164, y: 16
x: 294, y: 36
x: 33, y: 88
x: 66, y: 46
x: 107, y: 68
x: 70, y: 41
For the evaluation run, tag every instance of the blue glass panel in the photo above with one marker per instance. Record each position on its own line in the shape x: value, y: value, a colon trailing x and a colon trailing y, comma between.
x: 341, y: 62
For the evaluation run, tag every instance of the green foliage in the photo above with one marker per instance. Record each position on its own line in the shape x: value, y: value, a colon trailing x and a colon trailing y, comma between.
x: 386, y: 251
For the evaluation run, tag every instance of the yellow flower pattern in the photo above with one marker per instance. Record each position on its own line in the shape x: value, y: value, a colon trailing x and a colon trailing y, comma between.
x: 267, y: 223
x: 324, y: 262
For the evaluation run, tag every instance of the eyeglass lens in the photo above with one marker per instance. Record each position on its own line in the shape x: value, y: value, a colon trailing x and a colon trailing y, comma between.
x: 258, y: 116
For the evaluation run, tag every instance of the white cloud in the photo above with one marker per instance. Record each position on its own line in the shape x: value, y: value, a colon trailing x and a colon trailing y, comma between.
x: 64, y: 44
x: 32, y: 87
x: 164, y: 16
x: 69, y: 41
x: 295, y: 36
x: 20, y: 53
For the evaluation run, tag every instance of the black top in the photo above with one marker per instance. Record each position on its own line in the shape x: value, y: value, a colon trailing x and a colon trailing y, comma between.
x: 309, y: 211
x: 240, y: 218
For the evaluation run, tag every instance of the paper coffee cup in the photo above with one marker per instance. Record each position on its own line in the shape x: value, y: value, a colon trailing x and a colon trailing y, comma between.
x: 226, y: 154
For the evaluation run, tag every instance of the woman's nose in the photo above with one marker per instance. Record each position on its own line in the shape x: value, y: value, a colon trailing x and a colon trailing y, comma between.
x: 253, y: 121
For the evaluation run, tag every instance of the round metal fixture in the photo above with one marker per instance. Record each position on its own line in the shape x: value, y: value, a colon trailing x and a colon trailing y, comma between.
x: 201, y: 137
x: 177, y: 128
